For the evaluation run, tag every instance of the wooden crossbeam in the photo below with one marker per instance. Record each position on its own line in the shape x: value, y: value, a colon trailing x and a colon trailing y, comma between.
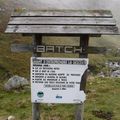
x: 30, y: 34
x: 56, y: 49
x: 21, y: 47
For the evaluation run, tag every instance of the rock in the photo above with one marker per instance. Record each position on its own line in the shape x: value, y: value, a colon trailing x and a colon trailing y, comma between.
x: 113, y: 65
x: 115, y: 73
x: 101, y: 74
x: 11, y: 118
x: 15, y: 82
x: 50, y: 104
x: 2, y: 9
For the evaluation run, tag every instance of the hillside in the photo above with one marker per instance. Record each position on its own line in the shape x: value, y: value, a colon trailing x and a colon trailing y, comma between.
x: 103, y: 98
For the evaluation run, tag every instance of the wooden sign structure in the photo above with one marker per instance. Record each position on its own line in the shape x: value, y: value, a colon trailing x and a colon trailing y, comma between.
x: 80, y: 23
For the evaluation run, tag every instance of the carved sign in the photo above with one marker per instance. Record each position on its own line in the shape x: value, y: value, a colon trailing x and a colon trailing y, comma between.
x: 57, y: 49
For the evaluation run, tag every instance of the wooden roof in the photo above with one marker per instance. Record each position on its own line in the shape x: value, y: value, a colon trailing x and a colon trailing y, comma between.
x: 63, y: 22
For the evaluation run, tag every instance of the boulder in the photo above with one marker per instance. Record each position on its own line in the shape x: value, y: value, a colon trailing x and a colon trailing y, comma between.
x: 115, y: 73
x: 101, y: 74
x: 15, y: 82
x: 114, y: 65
x: 11, y: 118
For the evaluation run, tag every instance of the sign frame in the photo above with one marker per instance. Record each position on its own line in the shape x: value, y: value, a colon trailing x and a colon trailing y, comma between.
x: 56, y: 77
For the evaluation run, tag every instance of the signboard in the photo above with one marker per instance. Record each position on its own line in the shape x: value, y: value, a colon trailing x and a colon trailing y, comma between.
x: 57, y: 80
x: 59, y: 49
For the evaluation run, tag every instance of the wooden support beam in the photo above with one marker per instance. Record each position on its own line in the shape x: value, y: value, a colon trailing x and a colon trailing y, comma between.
x: 37, y: 40
x: 70, y: 35
x: 79, y: 111
x: 84, y: 40
x: 35, y: 111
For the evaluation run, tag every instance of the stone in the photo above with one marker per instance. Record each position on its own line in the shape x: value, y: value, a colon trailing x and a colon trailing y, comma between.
x: 2, y: 9
x: 114, y: 65
x: 115, y: 73
x: 101, y: 74
x: 11, y: 118
x: 15, y: 82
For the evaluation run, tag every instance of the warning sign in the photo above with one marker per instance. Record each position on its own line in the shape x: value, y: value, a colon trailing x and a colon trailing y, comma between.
x: 57, y: 80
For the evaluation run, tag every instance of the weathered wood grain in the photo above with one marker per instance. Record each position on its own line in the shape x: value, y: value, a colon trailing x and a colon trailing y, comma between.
x: 21, y: 48
x: 61, y: 29
x: 37, y: 40
x: 29, y: 48
x: 61, y: 21
x: 82, y: 13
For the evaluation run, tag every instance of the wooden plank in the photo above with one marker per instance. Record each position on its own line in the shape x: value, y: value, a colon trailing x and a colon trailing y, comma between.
x: 37, y: 40
x: 61, y: 21
x: 79, y: 112
x: 61, y: 29
x: 96, y: 50
x: 98, y: 35
x: 84, y: 43
x: 21, y: 48
x: 56, y: 49
x: 82, y: 13
x: 35, y: 111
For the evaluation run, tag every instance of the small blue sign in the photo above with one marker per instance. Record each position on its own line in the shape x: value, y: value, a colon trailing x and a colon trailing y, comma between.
x: 59, y: 97
x: 40, y: 94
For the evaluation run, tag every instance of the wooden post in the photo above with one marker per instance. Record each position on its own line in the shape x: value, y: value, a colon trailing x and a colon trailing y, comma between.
x: 79, y: 111
x: 35, y: 111
x: 37, y: 40
x: 84, y: 40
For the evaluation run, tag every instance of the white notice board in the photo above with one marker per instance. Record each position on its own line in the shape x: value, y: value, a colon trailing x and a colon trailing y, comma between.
x: 57, y: 80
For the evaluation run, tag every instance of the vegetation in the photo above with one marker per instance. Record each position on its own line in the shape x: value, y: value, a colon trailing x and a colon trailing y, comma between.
x: 103, y: 94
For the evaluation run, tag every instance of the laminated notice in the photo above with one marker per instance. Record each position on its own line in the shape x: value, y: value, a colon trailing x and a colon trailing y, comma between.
x: 57, y: 80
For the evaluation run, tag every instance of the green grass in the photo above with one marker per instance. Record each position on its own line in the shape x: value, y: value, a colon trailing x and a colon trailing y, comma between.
x: 14, y: 63
x: 104, y: 96
x: 103, y: 93
x: 15, y: 103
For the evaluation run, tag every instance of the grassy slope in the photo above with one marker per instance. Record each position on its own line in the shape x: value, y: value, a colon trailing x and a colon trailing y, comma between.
x: 103, y: 93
